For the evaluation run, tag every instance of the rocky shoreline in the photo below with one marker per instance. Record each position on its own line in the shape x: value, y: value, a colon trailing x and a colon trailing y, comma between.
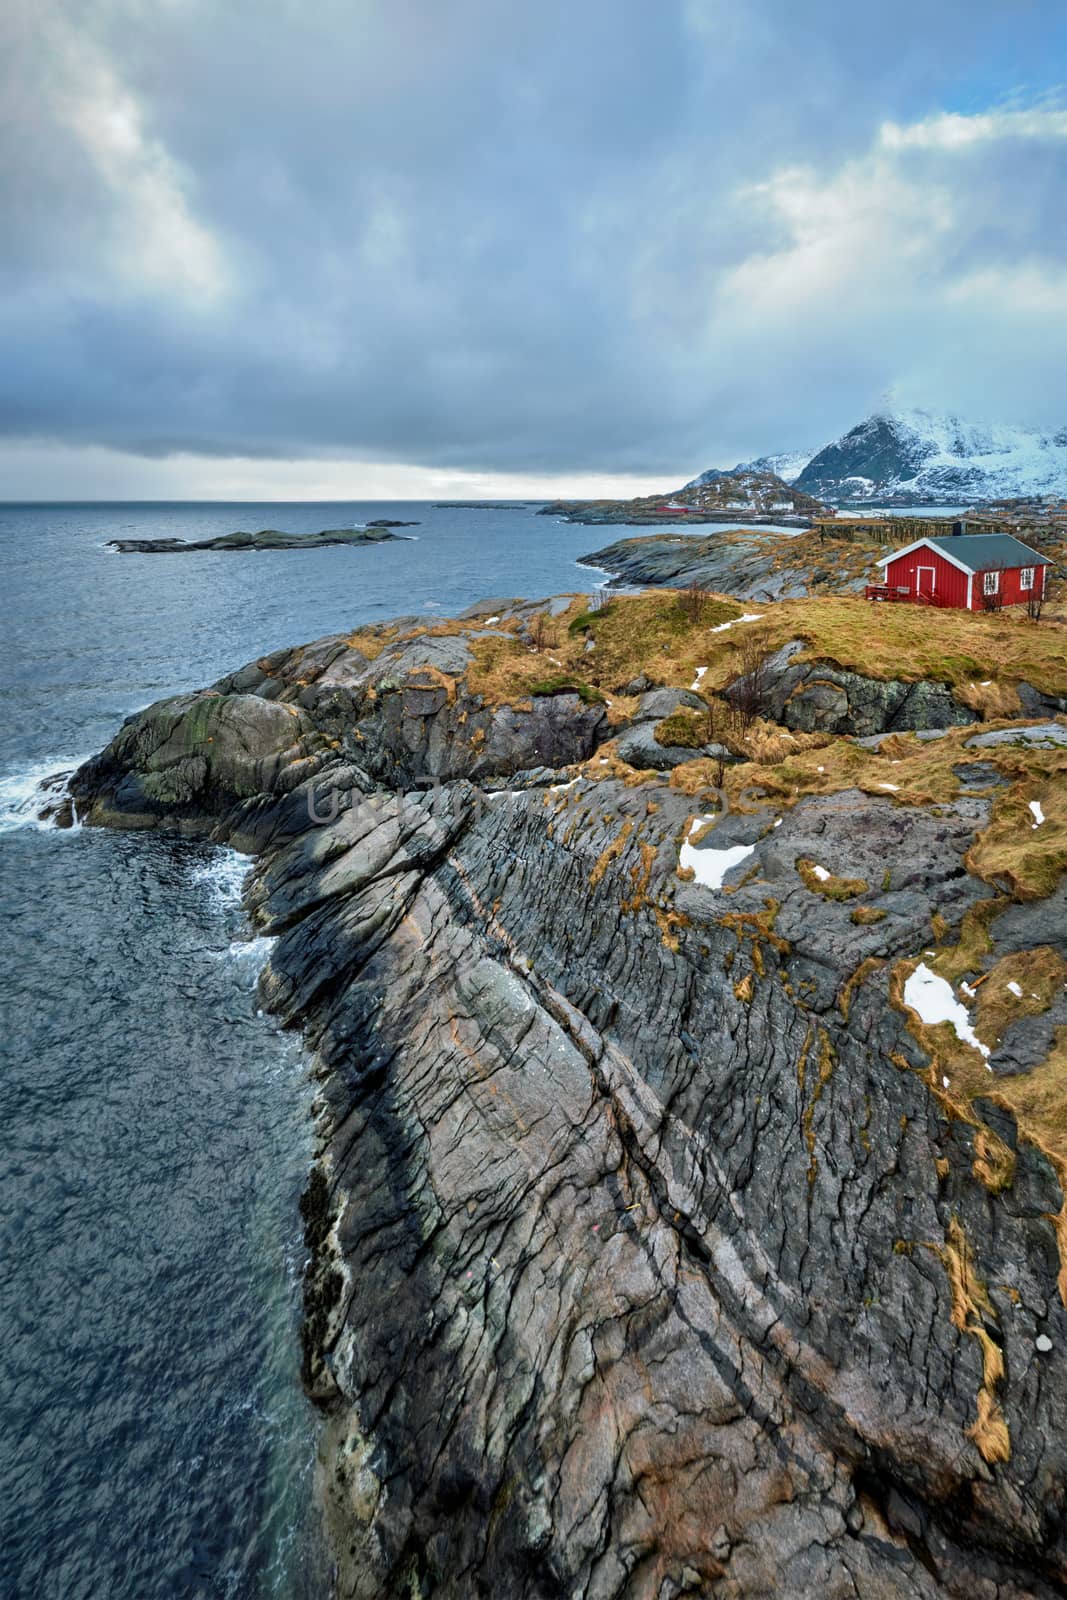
x: 658, y: 1245
x: 631, y: 517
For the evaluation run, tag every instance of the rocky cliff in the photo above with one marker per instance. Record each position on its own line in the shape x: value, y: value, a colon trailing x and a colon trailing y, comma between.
x: 662, y: 1241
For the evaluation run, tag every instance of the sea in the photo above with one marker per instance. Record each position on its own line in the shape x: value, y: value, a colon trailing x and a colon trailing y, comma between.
x: 155, y: 1126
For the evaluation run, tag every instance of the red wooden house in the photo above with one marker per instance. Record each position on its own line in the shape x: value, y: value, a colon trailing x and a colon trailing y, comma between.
x: 968, y: 571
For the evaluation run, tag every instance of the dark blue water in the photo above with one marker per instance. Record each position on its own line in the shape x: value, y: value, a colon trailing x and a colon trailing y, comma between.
x: 154, y: 1441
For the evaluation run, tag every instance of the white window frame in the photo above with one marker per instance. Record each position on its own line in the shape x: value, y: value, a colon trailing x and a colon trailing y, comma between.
x: 991, y: 582
x: 1026, y: 578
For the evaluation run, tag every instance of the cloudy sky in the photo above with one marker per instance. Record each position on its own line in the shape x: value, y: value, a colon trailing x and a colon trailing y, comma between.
x: 410, y: 247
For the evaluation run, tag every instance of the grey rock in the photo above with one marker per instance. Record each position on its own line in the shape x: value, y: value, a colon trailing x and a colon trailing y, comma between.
x: 604, y: 1288
x: 655, y: 704
x: 819, y: 697
x: 1048, y: 736
x: 1037, y: 703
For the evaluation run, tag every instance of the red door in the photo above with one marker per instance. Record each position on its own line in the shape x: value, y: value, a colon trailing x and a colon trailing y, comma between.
x: 924, y: 582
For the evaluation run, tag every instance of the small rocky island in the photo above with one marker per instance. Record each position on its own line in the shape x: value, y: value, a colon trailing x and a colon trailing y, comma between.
x: 686, y: 987
x: 265, y: 539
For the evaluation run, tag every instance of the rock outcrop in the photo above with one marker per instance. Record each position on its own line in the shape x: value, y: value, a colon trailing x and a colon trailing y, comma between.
x: 749, y: 564
x: 820, y: 697
x: 649, y: 1255
x: 265, y: 539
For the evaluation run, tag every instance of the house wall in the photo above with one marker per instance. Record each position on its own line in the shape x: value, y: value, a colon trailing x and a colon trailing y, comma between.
x: 950, y: 584
x: 1012, y: 592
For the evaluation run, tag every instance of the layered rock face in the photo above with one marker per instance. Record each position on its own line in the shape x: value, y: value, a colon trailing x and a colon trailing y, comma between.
x: 648, y: 1255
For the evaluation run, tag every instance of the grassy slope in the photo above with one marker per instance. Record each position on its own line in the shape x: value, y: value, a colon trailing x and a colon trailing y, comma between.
x: 651, y: 634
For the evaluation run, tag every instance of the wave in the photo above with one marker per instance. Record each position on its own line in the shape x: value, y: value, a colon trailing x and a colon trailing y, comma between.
x: 224, y: 877
x: 24, y: 791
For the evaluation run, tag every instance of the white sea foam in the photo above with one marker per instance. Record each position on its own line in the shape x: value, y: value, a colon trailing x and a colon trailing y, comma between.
x: 24, y: 792
x: 223, y: 877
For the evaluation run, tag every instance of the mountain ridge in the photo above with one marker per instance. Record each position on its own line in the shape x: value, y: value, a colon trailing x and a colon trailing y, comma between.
x: 922, y: 457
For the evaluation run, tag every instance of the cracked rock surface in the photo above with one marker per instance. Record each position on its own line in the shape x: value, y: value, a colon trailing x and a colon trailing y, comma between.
x: 630, y: 1271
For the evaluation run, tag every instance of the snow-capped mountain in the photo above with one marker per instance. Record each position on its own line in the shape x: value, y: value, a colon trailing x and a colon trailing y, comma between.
x: 788, y: 466
x: 921, y: 457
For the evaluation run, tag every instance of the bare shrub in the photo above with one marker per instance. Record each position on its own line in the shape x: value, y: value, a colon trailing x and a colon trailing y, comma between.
x: 692, y: 601
x: 716, y: 732
x: 539, y: 632
x: 748, y: 692
x: 1035, y: 603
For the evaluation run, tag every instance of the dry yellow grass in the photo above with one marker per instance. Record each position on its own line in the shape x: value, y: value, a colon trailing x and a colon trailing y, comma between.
x: 1038, y: 975
x: 827, y: 884
x: 1015, y: 852
x: 982, y: 656
x: 370, y: 642
x: 971, y: 1309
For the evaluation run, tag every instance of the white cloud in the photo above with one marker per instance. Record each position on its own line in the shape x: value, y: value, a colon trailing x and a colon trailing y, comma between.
x: 918, y: 265
x: 156, y: 242
x: 952, y: 131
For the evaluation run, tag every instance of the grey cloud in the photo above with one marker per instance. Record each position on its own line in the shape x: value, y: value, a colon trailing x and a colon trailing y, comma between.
x: 483, y: 236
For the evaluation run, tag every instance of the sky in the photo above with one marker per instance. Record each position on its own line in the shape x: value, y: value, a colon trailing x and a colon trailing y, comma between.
x: 422, y: 248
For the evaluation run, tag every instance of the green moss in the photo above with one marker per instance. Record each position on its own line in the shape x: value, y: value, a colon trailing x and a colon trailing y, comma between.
x: 685, y: 727
x: 563, y: 684
x: 587, y: 620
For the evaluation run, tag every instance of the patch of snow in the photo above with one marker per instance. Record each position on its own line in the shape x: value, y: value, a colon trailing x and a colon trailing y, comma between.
x: 1038, y: 814
x: 749, y: 616
x: 944, y: 1081
x: 894, y: 786
x: 985, y: 683
x: 965, y: 986
x: 778, y: 822
x: 1016, y: 991
x: 696, y: 681
x: 557, y: 788
x: 820, y: 872
x: 711, y: 866
x: 933, y: 999
x: 490, y: 620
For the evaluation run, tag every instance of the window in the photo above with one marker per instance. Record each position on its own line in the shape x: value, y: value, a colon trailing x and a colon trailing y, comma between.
x: 990, y: 582
x: 1026, y: 578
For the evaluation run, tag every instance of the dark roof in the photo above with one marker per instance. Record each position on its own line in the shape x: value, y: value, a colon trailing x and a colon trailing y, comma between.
x: 977, y: 551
